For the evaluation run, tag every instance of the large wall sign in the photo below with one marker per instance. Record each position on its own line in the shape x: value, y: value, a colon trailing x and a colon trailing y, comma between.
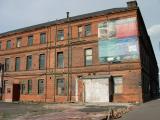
x: 118, y: 40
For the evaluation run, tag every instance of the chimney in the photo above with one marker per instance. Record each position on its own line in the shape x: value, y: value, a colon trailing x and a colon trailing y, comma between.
x: 132, y: 4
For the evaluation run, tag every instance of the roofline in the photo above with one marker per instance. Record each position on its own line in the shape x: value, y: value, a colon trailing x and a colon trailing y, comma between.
x: 64, y: 20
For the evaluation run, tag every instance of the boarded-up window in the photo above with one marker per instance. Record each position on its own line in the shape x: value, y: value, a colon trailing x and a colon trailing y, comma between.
x: 60, y: 87
x: 29, y: 86
x: 40, y: 86
x: 42, y: 61
x: 42, y: 38
x: 88, y: 57
x: 60, y: 60
x: 18, y: 42
x: 80, y: 31
x: 118, y: 85
x: 7, y: 64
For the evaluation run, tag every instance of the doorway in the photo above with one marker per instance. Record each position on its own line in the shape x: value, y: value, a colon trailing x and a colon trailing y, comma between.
x: 16, y: 92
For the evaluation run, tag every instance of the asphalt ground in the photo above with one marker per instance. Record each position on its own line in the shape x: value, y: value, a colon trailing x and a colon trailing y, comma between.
x: 146, y: 111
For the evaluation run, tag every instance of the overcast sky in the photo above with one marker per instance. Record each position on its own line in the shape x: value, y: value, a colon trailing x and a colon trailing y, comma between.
x: 21, y: 13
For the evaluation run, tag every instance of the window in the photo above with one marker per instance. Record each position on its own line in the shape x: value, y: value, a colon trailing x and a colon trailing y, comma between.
x: 0, y: 45
x: 87, y: 30
x: 5, y: 83
x: 80, y: 31
x: 60, y: 87
x: 18, y: 42
x: 42, y: 61
x: 60, y: 61
x: 17, y: 64
x: 40, y: 86
x: 23, y: 88
x: 8, y: 45
x: 118, y: 85
x: 29, y: 86
x: 88, y: 57
x: 7, y: 62
x: 29, y: 62
x: 60, y: 35
x: 42, y: 38
x: 30, y: 40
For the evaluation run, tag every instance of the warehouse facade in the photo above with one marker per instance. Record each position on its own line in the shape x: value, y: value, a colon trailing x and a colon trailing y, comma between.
x: 105, y: 56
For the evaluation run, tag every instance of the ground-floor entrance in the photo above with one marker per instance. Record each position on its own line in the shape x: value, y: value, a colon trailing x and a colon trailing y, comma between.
x: 97, y: 90
x: 16, y: 92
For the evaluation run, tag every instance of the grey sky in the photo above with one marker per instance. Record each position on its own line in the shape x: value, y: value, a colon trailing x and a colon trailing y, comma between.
x: 21, y: 13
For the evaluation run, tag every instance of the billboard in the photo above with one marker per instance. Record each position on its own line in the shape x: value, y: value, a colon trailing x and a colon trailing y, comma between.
x: 118, y: 40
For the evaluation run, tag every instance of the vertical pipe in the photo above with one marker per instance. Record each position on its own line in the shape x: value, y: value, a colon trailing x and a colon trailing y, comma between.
x: 68, y: 35
x: 55, y: 62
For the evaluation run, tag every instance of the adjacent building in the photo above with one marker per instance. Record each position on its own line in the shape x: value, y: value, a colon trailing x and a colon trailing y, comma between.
x: 105, y: 56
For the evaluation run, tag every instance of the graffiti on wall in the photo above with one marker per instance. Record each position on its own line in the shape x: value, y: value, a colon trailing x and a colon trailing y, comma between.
x: 118, y: 40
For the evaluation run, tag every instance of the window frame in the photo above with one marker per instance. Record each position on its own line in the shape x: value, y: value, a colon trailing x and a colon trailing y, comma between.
x: 8, y: 44
x: 23, y: 88
x: 41, y: 89
x: 42, y: 67
x: 43, y: 38
x: 59, y: 61
x: 85, y: 30
x: 85, y: 56
x: 30, y: 41
x: 29, y: 65
x: 7, y: 64
x: 118, y: 84
x: 60, y: 35
x: 63, y: 87
x: 29, y: 86
x: 18, y: 42
x: 0, y: 45
x: 19, y: 63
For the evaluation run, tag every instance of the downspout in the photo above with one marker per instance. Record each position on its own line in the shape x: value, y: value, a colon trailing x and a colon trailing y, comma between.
x: 68, y: 35
x: 55, y: 64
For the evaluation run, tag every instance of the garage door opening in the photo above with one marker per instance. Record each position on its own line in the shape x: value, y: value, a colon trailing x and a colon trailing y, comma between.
x: 97, y: 90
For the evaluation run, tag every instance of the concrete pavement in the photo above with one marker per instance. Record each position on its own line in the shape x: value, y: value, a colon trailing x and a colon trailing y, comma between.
x: 147, y: 111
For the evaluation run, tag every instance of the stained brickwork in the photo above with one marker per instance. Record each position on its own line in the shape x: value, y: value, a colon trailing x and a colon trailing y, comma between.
x: 131, y: 71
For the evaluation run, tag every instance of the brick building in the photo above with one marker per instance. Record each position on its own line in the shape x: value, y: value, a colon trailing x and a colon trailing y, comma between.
x: 105, y: 56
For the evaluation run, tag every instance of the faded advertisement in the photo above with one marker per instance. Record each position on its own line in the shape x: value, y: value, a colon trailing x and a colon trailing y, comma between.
x: 118, y: 40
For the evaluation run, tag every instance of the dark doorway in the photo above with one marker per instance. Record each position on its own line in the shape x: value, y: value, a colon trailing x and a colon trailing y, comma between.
x: 16, y: 92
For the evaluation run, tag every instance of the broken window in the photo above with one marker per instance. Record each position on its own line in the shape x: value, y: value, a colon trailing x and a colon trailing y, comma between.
x: 60, y: 60
x: 118, y: 85
x: 40, y: 86
x: 88, y: 57
x: 60, y: 87
x: 29, y: 62
x: 87, y: 30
